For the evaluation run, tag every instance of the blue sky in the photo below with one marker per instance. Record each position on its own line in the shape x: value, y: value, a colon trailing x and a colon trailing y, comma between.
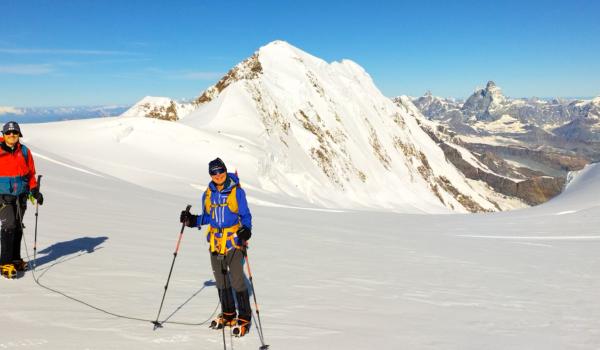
x: 84, y: 52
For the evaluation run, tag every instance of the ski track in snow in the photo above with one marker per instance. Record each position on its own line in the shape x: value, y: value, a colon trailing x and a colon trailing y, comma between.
x: 38, y: 155
x: 535, y: 238
x: 24, y: 343
x: 265, y: 203
x: 566, y: 212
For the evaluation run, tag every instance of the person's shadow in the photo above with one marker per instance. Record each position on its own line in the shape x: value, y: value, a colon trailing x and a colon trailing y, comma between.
x: 58, y: 250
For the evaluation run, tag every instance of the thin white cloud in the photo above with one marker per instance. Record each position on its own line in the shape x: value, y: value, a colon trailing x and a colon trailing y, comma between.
x: 98, y: 61
x: 26, y: 69
x: 185, y: 74
x: 21, y: 51
x: 201, y: 75
x: 11, y: 110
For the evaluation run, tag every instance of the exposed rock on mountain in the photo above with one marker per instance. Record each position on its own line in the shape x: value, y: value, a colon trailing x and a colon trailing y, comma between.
x: 160, y: 108
x: 533, y: 187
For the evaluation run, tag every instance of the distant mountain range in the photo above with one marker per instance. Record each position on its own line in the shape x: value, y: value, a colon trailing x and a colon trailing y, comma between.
x: 488, y: 112
x: 566, y: 131
x: 50, y: 114
x: 524, y: 139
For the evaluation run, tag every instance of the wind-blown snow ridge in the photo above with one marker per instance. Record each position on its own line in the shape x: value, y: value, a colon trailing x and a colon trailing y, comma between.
x: 537, y: 238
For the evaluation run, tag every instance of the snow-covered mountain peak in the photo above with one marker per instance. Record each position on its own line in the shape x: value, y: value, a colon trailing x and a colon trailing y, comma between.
x: 323, y: 131
x: 279, y: 57
x: 482, y: 103
x: 492, y: 90
x: 490, y: 85
x: 282, y: 50
x: 154, y: 100
x: 432, y: 106
x: 160, y: 108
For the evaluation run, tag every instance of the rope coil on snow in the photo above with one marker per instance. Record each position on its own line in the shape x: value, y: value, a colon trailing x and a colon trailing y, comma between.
x: 37, y: 281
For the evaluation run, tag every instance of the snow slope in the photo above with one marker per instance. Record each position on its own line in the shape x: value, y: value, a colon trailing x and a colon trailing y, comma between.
x: 526, y: 279
x: 156, y: 154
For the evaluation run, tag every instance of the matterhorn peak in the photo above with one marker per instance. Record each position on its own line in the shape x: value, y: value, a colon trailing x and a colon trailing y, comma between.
x: 483, y: 101
x: 494, y: 91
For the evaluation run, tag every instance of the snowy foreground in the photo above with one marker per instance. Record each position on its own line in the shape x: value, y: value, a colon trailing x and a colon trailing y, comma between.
x: 325, y: 279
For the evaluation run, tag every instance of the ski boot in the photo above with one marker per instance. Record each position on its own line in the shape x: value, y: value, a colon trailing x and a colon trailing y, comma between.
x: 8, y: 271
x: 21, y: 265
x: 226, y: 319
x: 241, y: 328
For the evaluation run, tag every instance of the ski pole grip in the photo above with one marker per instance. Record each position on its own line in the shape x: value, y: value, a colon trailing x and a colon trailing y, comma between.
x: 39, y: 181
x: 187, y: 209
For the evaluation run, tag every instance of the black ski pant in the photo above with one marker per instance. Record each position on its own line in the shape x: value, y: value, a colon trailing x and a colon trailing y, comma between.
x: 12, y: 209
x: 229, y: 272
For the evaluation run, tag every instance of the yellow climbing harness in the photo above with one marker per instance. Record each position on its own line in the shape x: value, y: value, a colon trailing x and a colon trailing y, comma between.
x: 219, y: 244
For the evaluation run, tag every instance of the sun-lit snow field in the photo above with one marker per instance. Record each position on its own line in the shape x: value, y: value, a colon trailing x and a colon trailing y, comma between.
x: 325, y: 279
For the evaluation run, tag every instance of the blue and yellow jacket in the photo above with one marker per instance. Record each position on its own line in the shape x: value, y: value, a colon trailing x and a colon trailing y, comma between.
x: 225, y: 212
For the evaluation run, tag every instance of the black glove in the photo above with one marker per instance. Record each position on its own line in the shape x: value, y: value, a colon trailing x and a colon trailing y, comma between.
x: 188, y: 219
x: 244, y: 233
x: 35, y: 192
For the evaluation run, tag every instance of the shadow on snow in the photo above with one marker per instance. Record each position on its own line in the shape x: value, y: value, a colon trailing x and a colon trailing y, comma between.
x: 79, y: 245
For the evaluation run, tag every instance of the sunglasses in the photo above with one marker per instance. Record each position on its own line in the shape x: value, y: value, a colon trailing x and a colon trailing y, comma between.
x: 12, y: 132
x: 216, y: 171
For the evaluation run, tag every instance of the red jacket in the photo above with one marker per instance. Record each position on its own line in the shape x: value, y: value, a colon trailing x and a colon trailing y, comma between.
x: 17, y: 171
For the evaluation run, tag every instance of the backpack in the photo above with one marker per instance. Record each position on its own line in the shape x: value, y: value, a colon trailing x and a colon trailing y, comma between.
x: 24, y: 149
x: 231, y: 200
x: 220, y: 244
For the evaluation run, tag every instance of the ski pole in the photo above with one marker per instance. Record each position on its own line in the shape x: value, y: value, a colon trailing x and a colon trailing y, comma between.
x: 260, y: 333
x: 37, y: 206
x: 156, y: 323
x: 222, y: 296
